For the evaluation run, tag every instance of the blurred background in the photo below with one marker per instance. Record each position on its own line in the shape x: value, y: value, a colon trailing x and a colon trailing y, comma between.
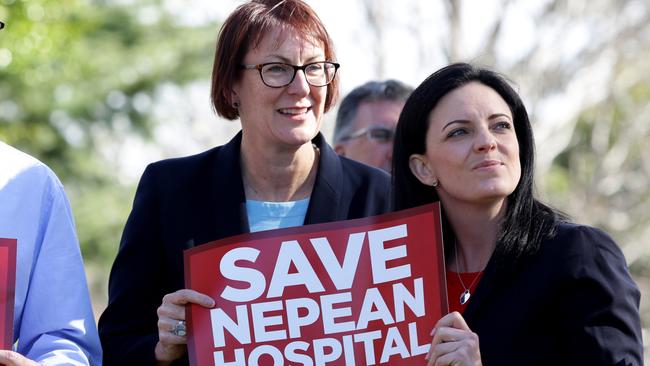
x: 97, y: 89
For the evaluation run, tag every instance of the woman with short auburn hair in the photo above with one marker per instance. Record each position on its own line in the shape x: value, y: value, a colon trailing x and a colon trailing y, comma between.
x: 274, y: 69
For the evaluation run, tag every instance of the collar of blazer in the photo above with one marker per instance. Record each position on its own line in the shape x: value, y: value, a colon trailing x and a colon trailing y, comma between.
x: 226, y: 174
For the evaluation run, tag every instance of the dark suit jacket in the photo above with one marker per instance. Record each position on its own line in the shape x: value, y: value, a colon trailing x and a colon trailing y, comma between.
x: 194, y: 200
x: 572, y: 303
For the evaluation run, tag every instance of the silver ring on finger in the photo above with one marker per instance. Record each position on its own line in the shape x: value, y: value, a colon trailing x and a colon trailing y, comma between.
x: 180, y: 329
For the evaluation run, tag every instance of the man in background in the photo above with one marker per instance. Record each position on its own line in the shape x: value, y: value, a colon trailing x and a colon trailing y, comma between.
x: 366, y: 120
x: 53, y: 321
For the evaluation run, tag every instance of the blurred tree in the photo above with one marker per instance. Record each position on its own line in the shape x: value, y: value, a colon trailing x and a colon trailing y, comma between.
x: 75, y: 75
x: 603, y: 176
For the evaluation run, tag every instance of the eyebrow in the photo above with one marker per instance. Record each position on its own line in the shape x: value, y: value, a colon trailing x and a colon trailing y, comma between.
x: 464, y: 121
x: 287, y: 61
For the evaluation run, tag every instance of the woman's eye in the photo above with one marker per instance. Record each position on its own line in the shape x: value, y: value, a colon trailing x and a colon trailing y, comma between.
x: 314, y: 68
x: 457, y: 132
x: 502, y: 125
x: 275, y: 69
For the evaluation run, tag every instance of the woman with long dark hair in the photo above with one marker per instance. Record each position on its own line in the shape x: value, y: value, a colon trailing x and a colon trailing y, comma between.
x: 525, y: 286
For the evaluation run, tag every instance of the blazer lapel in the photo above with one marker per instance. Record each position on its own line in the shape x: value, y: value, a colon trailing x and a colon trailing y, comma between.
x: 226, y: 189
x: 324, y: 204
x: 225, y: 196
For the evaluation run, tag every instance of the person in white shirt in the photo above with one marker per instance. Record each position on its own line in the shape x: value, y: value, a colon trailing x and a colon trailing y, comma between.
x: 53, y: 319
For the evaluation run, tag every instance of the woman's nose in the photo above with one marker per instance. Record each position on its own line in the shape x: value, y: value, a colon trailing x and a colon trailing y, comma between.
x: 485, y: 141
x: 299, y: 84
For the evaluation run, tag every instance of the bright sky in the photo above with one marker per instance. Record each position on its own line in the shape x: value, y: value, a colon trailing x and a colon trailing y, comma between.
x: 404, y: 37
x: 411, y: 45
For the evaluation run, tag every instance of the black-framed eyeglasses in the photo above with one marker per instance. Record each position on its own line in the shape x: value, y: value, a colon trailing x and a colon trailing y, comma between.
x: 278, y: 74
x: 375, y: 133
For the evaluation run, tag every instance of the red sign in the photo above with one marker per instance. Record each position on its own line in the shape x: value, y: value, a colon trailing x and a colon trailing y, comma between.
x: 7, y: 288
x: 357, y: 292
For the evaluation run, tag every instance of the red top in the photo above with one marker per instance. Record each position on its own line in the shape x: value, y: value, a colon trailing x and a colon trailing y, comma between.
x: 455, y: 288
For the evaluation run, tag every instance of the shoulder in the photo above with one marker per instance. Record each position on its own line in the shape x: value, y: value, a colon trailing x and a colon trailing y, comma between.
x: 576, y: 239
x: 350, y: 176
x: 366, y: 187
x: 182, y: 170
x: 192, y: 164
x: 583, y: 250
x: 22, y: 173
x: 358, y: 190
x: 362, y: 183
x: 185, y: 164
x: 598, y: 301
x: 362, y: 174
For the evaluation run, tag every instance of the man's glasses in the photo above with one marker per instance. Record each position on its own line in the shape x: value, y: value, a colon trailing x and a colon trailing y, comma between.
x: 278, y: 74
x: 375, y: 133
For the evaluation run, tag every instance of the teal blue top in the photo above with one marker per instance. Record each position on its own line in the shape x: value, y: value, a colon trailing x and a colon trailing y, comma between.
x: 263, y: 215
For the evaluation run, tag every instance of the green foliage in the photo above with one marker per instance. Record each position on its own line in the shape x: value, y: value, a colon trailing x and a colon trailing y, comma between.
x: 70, y: 69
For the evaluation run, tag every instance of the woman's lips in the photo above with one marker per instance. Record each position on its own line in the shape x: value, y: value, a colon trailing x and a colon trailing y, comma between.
x: 486, y: 164
x: 294, y: 110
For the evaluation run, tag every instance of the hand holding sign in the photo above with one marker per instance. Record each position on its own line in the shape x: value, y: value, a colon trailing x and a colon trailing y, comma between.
x: 454, y: 343
x: 170, y: 346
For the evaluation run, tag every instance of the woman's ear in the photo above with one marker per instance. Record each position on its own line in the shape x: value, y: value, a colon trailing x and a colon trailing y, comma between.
x: 419, y: 166
x: 233, y: 98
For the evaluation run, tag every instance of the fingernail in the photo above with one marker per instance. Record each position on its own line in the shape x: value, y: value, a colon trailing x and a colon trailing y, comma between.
x: 433, y: 331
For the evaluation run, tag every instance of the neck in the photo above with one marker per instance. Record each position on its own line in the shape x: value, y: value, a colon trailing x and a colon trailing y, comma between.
x: 278, y: 175
x: 476, y: 230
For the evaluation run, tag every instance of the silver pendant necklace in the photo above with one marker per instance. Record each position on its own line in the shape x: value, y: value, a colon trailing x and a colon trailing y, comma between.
x: 464, y: 297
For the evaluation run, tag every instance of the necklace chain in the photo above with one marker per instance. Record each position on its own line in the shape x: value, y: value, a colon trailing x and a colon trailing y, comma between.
x: 464, y: 297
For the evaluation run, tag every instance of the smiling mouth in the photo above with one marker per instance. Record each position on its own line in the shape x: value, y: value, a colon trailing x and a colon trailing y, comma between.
x: 294, y: 111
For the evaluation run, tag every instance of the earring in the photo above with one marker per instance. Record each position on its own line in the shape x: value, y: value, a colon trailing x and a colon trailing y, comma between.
x: 434, y: 183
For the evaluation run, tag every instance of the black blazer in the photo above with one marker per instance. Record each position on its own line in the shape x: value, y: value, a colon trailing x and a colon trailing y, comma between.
x: 572, y: 303
x: 190, y: 201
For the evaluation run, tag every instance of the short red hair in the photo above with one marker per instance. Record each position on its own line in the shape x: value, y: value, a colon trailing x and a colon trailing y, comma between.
x: 245, y: 28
